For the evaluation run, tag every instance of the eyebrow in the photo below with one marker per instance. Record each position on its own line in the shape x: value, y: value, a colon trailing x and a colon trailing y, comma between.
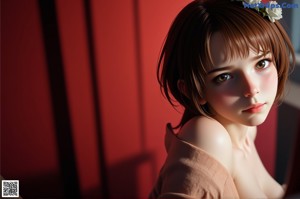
x: 228, y: 67
x: 219, y: 69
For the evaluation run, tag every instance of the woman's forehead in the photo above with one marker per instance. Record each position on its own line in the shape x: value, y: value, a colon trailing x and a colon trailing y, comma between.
x: 222, y: 53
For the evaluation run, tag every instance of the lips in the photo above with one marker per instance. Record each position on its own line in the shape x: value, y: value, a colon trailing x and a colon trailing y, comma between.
x: 255, y: 108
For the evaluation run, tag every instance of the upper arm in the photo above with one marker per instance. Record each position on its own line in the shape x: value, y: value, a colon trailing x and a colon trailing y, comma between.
x: 272, y: 188
x: 210, y: 136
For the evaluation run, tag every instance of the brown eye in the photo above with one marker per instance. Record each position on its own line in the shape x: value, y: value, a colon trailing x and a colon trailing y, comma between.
x: 222, y: 78
x: 263, y: 64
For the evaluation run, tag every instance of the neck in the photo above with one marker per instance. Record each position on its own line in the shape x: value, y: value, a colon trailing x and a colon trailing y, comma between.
x: 240, y: 134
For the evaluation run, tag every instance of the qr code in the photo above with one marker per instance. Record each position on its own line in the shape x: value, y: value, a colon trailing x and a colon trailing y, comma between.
x: 10, y: 188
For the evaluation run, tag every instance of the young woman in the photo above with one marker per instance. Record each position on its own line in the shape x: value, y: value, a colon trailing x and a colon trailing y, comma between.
x: 226, y: 64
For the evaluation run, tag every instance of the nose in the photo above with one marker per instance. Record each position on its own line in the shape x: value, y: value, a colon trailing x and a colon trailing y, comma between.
x: 250, y: 87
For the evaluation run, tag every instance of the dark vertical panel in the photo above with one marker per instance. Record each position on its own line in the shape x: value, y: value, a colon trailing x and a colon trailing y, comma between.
x: 59, y: 99
x: 293, y: 180
x: 139, y: 68
x: 95, y: 88
x: 288, y: 118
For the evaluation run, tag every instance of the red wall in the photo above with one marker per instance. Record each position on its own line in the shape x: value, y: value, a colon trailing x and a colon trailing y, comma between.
x: 72, y: 27
x: 127, y: 37
x: 266, y: 141
x: 28, y: 147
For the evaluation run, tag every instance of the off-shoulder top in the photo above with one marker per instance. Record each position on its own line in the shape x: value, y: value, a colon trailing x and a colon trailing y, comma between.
x: 190, y: 172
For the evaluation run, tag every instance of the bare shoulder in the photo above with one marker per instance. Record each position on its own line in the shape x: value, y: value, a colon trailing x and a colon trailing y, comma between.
x: 209, y: 135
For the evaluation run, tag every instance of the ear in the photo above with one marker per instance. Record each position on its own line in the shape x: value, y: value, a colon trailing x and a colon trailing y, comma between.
x: 202, y: 101
x: 182, y: 88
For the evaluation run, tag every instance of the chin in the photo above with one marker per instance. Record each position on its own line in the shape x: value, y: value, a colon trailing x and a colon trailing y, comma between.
x: 255, y: 120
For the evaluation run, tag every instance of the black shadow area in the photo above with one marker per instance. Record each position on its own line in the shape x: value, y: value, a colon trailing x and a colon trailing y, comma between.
x: 59, y: 99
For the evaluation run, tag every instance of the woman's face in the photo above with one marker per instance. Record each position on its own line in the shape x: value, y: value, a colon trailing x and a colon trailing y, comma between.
x: 240, y: 90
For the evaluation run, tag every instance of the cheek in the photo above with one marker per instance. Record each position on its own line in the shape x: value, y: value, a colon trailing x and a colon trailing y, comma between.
x: 220, y: 97
x: 270, y: 81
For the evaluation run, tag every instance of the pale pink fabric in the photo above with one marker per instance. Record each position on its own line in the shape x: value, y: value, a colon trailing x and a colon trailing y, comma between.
x: 190, y: 172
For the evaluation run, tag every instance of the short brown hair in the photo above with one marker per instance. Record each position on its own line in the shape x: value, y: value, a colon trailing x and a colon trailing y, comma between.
x: 186, y: 55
